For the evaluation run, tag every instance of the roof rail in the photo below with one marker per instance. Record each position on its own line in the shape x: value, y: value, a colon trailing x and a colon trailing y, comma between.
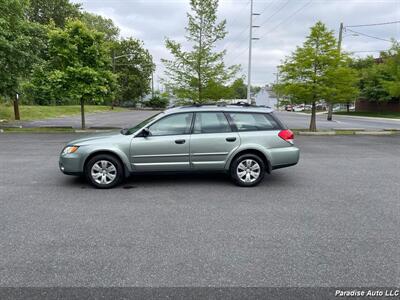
x: 204, y: 104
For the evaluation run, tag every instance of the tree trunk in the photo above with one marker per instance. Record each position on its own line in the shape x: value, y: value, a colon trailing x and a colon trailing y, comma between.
x: 348, y: 107
x: 83, y: 113
x: 313, y: 124
x: 16, y: 109
x: 330, y: 111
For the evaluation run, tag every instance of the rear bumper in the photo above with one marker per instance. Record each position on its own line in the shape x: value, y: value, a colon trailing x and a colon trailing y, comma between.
x: 284, y: 157
x: 283, y: 166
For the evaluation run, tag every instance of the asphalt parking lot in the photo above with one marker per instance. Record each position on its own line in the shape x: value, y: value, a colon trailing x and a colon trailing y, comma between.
x: 295, y: 120
x: 332, y: 220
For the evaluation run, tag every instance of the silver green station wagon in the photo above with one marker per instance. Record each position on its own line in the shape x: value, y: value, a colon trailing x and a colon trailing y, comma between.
x: 244, y: 141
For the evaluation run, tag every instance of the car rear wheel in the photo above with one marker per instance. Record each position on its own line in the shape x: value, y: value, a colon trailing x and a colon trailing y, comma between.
x: 247, y: 170
x: 104, y: 171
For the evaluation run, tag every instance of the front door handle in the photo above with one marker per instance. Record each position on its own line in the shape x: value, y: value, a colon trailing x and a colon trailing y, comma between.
x: 180, y: 141
x: 230, y: 139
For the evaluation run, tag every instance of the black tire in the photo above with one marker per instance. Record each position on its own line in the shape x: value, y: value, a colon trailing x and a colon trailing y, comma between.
x: 112, y: 160
x: 243, y: 158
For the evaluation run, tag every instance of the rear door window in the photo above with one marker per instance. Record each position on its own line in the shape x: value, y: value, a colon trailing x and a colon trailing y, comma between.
x: 211, y: 122
x: 253, y: 121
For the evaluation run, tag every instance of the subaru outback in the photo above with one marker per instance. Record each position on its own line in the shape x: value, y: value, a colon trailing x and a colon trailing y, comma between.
x: 244, y: 141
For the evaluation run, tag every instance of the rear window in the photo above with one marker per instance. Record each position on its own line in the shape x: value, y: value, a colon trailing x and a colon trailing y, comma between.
x: 254, y: 121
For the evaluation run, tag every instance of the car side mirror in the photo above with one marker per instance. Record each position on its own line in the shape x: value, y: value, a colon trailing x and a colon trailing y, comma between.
x: 146, y: 132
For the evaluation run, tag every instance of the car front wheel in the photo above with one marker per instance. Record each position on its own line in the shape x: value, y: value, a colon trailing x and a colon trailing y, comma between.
x: 104, y: 171
x: 247, y: 170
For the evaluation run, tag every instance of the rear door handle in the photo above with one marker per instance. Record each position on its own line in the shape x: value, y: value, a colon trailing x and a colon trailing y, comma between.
x: 180, y: 141
x: 230, y: 139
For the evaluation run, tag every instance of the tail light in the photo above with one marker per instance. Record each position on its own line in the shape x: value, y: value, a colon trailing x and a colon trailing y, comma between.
x: 286, y: 135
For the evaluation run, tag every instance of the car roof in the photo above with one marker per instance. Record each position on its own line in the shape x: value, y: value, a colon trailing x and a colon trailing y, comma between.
x: 210, y: 108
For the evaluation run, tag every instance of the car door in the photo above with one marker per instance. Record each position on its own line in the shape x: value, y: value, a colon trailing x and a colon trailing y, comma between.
x: 166, y: 148
x: 212, y: 141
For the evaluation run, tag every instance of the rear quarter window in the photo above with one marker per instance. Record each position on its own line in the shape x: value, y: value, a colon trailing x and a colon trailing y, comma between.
x: 254, y: 121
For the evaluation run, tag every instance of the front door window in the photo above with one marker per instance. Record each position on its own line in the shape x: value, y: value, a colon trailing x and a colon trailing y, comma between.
x: 172, y: 125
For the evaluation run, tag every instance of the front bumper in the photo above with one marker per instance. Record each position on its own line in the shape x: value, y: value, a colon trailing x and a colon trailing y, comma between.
x: 71, y: 164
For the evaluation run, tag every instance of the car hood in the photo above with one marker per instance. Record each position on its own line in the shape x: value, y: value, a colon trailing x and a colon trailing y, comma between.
x: 92, y: 138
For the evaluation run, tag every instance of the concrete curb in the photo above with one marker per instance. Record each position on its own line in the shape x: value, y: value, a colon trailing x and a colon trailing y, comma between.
x: 316, y: 133
x: 373, y: 133
x: 347, y: 132
x: 103, y: 128
x: 349, y: 129
x: 10, y: 126
x: 53, y: 127
x: 91, y: 130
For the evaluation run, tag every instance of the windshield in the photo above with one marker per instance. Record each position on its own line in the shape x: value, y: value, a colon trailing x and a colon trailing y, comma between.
x: 141, y: 124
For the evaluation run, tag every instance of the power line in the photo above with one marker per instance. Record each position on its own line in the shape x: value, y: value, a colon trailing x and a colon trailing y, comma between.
x: 275, y: 27
x: 236, y: 36
x: 237, y: 56
x: 373, y: 24
x: 290, y: 16
x: 367, y: 35
x: 270, y: 4
x: 275, y: 13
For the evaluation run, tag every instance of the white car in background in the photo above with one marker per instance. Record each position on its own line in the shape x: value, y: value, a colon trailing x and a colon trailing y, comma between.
x: 298, y: 108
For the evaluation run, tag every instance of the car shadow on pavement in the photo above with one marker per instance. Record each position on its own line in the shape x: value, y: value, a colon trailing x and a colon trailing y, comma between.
x: 170, y: 180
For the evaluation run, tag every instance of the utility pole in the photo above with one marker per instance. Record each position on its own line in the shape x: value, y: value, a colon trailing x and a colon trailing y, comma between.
x: 339, y: 48
x: 340, y: 37
x: 276, y: 94
x: 152, y: 84
x: 250, y: 50
x: 16, y: 107
x: 113, y: 67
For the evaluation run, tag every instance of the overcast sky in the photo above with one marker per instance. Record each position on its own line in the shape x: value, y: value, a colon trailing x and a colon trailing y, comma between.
x: 284, y: 25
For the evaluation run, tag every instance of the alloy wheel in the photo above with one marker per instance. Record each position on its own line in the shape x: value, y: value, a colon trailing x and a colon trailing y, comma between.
x: 103, y: 172
x: 248, y: 170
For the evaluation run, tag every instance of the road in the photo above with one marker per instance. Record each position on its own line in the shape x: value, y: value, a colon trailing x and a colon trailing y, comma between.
x: 292, y: 119
x: 332, y: 220
x: 123, y: 119
x: 302, y: 121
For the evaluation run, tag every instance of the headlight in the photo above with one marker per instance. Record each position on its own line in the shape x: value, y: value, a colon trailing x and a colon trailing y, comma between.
x: 70, y: 149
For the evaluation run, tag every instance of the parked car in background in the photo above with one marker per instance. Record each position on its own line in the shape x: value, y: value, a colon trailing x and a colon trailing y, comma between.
x: 289, y: 107
x: 244, y: 141
x: 298, y: 108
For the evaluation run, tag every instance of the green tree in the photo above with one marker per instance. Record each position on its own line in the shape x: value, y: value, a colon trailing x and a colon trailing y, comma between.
x: 190, y: 72
x: 100, y: 24
x: 134, y: 65
x: 239, y: 89
x: 78, y: 68
x: 372, y: 74
x: 309, y: 74
x: 20, y: 44
x: 342, y: 86
x: 391, y: 68
x: 215, y: 91
x: 57, y: 11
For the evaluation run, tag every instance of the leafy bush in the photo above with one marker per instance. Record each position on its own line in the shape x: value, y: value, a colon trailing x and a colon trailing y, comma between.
x: 157, y: 101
